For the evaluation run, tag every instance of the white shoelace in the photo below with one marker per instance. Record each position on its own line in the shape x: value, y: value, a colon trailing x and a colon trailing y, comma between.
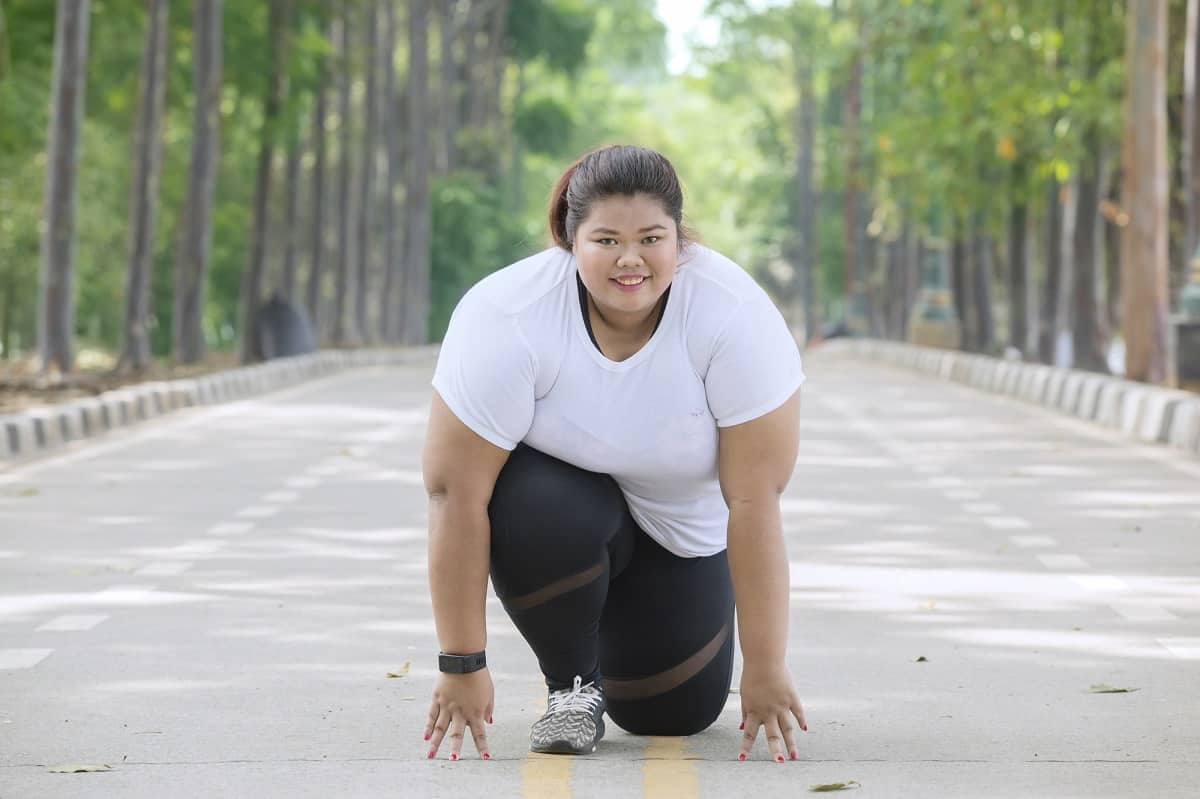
x: 581, y: 697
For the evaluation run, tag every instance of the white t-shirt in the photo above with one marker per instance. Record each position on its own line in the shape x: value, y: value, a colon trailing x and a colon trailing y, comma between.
x: 517, y: 365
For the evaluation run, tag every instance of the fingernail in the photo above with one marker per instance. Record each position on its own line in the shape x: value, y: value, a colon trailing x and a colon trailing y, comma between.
x: 741, y: 757
x: 779, y: 758
x: 742, y: 726
x: 453, y: 756
x: 805, y: 728
x: 427, y: 736
x: 487, y: 756
x: 794, y: 755
x: 430, y: 755
x: 490, y: 721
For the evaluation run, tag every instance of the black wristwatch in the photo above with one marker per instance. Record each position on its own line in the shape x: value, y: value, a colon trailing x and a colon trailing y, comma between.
x: 461, y: 664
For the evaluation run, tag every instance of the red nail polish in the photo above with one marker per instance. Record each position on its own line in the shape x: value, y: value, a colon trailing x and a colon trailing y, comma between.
x: 741, y: 757
x: 779, y: 758
x: 430, y: 755
x: 487, y: 756
x: 805, y: 728
x: 490, y: 721
x: 453, y: 756
x: 742, y: 726
x: 794, y: 755
x: 427, y: 736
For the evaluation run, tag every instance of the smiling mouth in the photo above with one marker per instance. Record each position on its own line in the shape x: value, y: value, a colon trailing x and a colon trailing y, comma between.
x: 630, y: 280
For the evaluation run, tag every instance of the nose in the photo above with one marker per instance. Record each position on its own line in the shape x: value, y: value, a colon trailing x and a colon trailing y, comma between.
x: 631, y: 257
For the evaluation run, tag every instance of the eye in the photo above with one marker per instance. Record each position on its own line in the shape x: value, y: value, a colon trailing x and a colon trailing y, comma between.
x: 606, y: 241
x: 652, y: 239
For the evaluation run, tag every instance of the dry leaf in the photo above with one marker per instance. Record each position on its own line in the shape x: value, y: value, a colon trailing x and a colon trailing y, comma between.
x: 1101, y: 688
x: 403, y: 670
x: 930, y: 605
x: 921, y: 659
x: 835, y: 786
x: 79, y: 769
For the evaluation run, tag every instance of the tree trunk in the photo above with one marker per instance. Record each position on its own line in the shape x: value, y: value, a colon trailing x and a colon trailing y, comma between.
x: 252, y: 278
x: 1018, y: 278
x: 851, y: 115
x: 960, y: 285
x: 1087, y: 334
x: 195, y: 238
x: 389, y: 308
x: 1190, y: 146
x: 147, y: 161
x: 56, y: 321
x: 291, y: 199
x: 366, y: 185
x: 417, y: 211
x: 1052, y: 277
x: 984, y: 337
x: 806, y: 194
x: 316, y: 262
x: 449, y: 102
x: 341, y: 328
x: 1144, y: 240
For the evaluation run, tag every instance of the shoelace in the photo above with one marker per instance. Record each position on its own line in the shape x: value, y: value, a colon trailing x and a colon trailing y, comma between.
x: 580, y: 697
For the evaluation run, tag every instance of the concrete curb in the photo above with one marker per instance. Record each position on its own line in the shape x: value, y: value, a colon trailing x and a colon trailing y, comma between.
x: 50, y: 427
x: 1147, y: 413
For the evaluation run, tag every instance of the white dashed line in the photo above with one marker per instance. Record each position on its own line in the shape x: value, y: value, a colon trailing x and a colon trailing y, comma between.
x: 1006, y: 523
x: 22, y: 658
x: 302, y: 482
x: 165, y: 569
x: 280, y: 497
x: 1186, y: 648
x: 981, y: 507
x: 257, y: 512
x: 1033, y: 541
x: 1132, y: 612
x: 71, y: 623
x: 231, y: 528
x: 1100, y: 582
x: 1057, y: 561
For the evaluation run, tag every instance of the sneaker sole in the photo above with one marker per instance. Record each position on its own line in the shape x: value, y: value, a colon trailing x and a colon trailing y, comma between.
x: 564, y: 747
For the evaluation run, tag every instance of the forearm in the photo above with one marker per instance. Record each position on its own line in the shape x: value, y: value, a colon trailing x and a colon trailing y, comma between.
x: 459, y: 552
x: 761, y: 585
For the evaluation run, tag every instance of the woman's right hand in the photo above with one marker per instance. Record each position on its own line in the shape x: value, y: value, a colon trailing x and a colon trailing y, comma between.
x: 460, y: 701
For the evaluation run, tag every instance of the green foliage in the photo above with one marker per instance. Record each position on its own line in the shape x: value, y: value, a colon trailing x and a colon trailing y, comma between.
x: 474, y: 234
x: 554, y: 30
x: 544, y: 125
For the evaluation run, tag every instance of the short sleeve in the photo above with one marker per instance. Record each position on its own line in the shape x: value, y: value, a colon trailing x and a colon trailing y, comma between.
x: 485, y: 372
x: 755, y: 365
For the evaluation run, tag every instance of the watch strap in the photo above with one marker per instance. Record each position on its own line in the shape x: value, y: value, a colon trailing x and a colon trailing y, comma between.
x: 461, y: 664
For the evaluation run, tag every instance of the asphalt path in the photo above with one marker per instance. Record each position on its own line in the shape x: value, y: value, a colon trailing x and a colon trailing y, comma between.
x: 211, y: 605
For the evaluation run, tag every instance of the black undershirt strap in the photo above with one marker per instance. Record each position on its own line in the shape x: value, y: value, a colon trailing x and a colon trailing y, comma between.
x: 587, y: 317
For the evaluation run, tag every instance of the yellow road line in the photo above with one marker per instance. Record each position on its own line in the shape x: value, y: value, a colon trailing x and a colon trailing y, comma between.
x: 546, y: 776
x: 666, y: 774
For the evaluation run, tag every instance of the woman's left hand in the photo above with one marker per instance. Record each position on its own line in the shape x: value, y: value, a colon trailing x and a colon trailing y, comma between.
x: 770, y: 701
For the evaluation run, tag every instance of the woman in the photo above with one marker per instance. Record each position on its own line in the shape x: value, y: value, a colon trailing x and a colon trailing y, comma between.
x: 613, y: 422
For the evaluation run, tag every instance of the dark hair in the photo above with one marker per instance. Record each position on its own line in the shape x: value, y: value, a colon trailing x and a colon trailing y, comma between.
x: 616, y: 170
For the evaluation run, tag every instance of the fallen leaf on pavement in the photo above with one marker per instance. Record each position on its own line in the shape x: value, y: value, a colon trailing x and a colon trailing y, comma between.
x: 79, y: 769
x: 28, y: 492
x: 835, y: 786
x: 403, y: 670
x: 930, y: 605
x: 1101, y: 688
x: 921, y: 659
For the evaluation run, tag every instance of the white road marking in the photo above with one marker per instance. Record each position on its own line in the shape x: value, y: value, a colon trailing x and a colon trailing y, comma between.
x: 231, y: 528
x: 198, y: 546
x: 165, y: 569
x: 72, y: 623
x: 257, y: 512
x: 981, y: 507
x: 22, y: 658
x: 1133, y: 612
x: 1186, y: 648
x: 1006, y: 523
x: 1033, y: 541
x: 1100, y: 582
x: 1060, y: 561
x: 280, y: 497
x: 302, y: 482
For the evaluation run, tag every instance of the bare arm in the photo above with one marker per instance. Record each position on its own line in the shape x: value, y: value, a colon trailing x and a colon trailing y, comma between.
x: 460, y: 469
x: 756, y: 463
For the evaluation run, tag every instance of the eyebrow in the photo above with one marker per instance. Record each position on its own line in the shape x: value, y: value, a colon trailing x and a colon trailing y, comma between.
x: 617, y: 232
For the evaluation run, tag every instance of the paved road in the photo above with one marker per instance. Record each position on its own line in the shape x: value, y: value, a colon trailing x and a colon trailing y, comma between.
x: 211, y: 606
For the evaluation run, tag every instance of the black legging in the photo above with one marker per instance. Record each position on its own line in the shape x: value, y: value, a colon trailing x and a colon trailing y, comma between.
x: 594, y: 595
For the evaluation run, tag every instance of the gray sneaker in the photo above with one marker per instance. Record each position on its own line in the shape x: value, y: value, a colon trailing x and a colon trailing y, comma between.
x: 573, y: 723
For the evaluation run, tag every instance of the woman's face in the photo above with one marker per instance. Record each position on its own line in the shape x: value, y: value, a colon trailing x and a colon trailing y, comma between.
x: 627, y: 249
